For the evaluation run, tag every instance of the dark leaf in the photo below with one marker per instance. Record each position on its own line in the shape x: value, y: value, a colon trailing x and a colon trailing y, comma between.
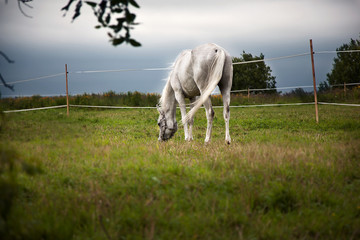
x: 77, y: 10
x: 102, y: 5
x: 110, y: 35
x: 129, y: 16
x: 98, y: 26
x: 108, y: 18
x: 66, y: 8
x: 92, y: 4
x: 118, y: 41
x: 121, y: 21
x: 115, y: 2
x: 132, y: 2
x: 125, y: 2
x: 134, y: 43
x: 101, y: 12
x: 101, y: 21
x: 127, y: 35
x: 117, y: 10
x: 116, y: 28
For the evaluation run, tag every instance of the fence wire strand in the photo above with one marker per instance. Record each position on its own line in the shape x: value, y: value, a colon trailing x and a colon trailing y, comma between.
x: 37, y: 78
x: 272, y: 59
x: 340, y: 104
x: 34, y: 109
x: 342, y: 51
x: 122, y: 70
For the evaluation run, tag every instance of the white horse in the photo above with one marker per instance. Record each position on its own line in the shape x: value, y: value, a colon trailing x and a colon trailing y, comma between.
x: 196, y: 73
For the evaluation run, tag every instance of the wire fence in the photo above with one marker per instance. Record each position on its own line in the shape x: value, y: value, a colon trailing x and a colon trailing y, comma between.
x: 170, y: 68
x: 292, y: 87
x: 216, y: 92
x: 236, y: 106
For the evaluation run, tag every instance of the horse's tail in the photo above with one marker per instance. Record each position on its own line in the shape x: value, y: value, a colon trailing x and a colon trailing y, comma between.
x: 215, y: 75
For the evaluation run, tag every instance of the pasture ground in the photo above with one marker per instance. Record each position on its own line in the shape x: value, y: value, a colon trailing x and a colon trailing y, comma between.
x: 102, y: 174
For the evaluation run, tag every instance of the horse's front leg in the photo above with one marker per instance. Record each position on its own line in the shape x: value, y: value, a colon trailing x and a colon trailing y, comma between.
x: 210, y: 116
x: 191, y: 121
x: 181, y: 100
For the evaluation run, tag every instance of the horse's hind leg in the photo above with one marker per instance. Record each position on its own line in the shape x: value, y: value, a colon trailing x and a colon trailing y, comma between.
x: 191, y: 121
x: 226, y: 101
x: 210, y: 116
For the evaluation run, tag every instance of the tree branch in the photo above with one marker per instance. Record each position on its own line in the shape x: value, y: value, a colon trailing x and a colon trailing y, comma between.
x: 5, y: 84
x: 6, y: 57
x: 25, y: 3
x: 112, y: 15
x: 1, y: 78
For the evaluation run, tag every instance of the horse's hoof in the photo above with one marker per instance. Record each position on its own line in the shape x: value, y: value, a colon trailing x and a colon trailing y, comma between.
x: 188, y: 139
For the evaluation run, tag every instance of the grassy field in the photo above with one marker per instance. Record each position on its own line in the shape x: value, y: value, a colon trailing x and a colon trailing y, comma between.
x: 102, y: 174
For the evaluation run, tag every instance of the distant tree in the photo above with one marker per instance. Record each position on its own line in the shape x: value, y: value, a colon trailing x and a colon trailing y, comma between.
x: 113, y: 15
x: 324, y: 87
x: 252, y: 75
x: 346, y: 66
x: 300, y: 93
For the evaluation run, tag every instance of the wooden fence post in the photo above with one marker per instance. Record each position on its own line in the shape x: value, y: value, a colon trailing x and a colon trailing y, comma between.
x: 67, y: 91
x: 314, y: 82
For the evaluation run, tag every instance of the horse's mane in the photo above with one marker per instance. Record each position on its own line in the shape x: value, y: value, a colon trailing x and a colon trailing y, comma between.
x: 168, y: 89
x: 165, y: 93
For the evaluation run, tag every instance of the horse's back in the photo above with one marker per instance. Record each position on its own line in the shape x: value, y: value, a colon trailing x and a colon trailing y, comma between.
x: 192, y: 67
x: 203, y: 57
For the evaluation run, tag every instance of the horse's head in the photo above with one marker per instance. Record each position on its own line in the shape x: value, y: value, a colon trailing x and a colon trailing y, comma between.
x: 167, y: 127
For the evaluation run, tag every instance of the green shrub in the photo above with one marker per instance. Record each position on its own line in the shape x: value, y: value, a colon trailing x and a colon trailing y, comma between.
x: 10, y: 167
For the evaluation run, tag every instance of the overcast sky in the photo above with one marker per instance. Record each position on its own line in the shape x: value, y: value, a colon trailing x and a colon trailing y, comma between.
x: 44, y: 44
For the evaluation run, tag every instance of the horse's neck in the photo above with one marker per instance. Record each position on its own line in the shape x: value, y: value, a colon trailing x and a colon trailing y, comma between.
x: 168, y: 102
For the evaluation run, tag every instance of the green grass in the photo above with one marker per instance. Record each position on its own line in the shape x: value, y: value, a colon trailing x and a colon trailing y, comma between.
x: 102, y: 174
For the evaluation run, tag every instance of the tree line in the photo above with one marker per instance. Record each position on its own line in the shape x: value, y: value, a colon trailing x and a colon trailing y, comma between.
x: 345, y: 69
